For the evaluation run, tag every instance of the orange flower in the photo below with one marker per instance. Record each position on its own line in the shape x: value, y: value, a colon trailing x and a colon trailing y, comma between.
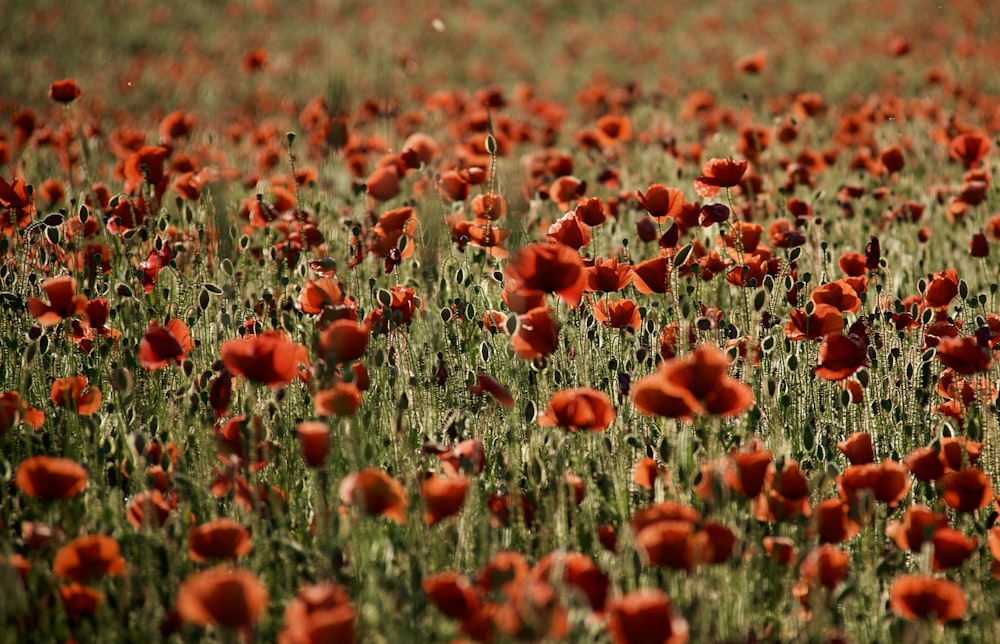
x: 969, y: 148
x: 14, y: 410
x: 314, y: 441
x: 579, y: 408
x: 80, y: 601
x: 719, y: 173
x: 839, y: 357
x: 917, y: 526
x: 752, y: 466
x: 951, y: 548
x: 646, y: 616
x: 967, y: 490
x: 343, y: 399
x: 551, y: 268
x: 74, y: 393
x: 838, y: 294
x: 219, y: 539
x: 697, y: 384
x: 568, y: 230
x: 915, y: 597
x: 444, y: 497
x: 46, y: 477
x: 223, y: 596
x: 833, y: 523
x: 858, y: 448
x: 578, y: 570
x: 617, y: 314
x: 149, y: 508
x: 376, y: 493
x: 64, y: 302
x: 453, y: 594
x: 269, y: 358
x: 319, y: 294
x: 537, y: 334
x: 826, y: 564
x: 753, y: 63
x: 941, y: 289
x: 652, y: 276
x: 824, y: 320
x: 319, y: 613
x: 85, y: 558
x: 64, y: 91
x: 485, y: 384
x: 788, y: 496
x: 661, y: 202
x: 490, y: 205
x: 343, y: 341
x: 647, y: 470
x: 964, y: 355
x: 780, y: 549
x: 608, y: 276
x: 383, y: 183
x: 925, y: 464
x: 163, y: 345
x: 888, y: 483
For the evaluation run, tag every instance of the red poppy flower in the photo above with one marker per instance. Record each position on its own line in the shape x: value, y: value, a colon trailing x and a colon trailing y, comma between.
x: 453, y: 594
x: 568, y: 230
x: 592, y: 212
x: 719, y: 173
x: 80, y: 601
x: 551, y: 268
x: 319, y: 613
x: 858, y: 448
x: 671, y: 544
x: 608, y: 276
x: 489, y: 205
x: 343, y: 341
x: 269, y: 358
x: 925, y: 464
x: 916, y: 597
x: 967, y: 490
x: 661, y: 202
x: 219, y: 539
x: 486, y: 384
x: 577, y: 570
x: 753, y: 63
x: 537, y: 334
x: 63, y: 301
x: 838, y: 294
x: 941, y: 289
x: 375, y: 493
x: 343, y: 399
x: 76, y: 394
x: 646, y: 616
x: 314, y: 441
x: 13, y: 410
x: 839, y: 357
x: 951, y: 548
x: 468, y: 457
x: 697, y: 384
x: 147, y: 165
x: 223, y: 596
x: 149, y: 508
x: 85, y: 558
x: 617, y: 314
x: 647, y: 470
x: 580, y: 408
x: 888, y: 483
x: 827, y: 565
x: 780, y: 549
x: 824, y: 320
x: 964, y: 355
x: 652, y: 276
x: 443, y: 497
x: 787, y: 496
x: 969, y: 148
x: 47, y: 477
x: 64, y: 91
x: 163, y: 345
x: 918, y: 525
x: 752, y: 466
x: 833, y: 523
x: 319, y: 294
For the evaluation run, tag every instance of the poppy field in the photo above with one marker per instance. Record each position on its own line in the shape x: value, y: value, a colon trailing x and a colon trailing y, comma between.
x: 461, y: 322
